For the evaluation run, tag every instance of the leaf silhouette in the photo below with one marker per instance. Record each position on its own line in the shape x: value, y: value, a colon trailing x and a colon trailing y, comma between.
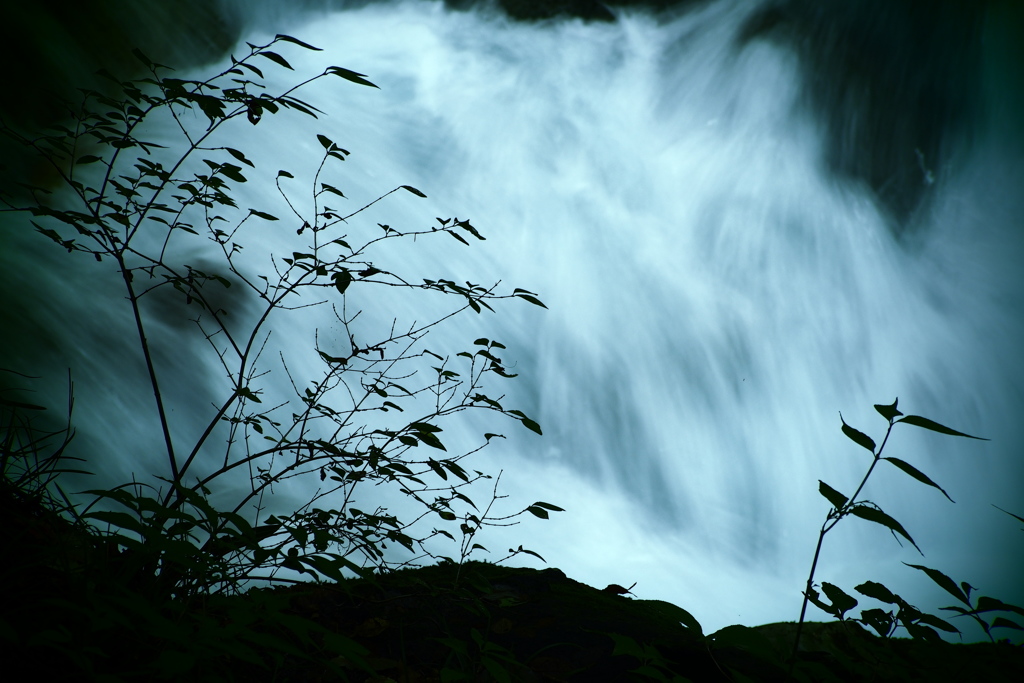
x: 873, y: 514
x: 917, y: 474
x: 859, y: 437
x: 875, y: 590
x: 925, y: 423
x: 837, y: 499
x: 944, y: 581
x: 888, y: 412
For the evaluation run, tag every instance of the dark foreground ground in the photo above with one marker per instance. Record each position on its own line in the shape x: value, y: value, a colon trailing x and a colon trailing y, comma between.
x: 542, y: 626
x: 69, y: 614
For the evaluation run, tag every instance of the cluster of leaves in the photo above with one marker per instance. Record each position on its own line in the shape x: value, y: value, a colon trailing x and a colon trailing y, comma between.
x: 370, y: 418
x: 885, y: 622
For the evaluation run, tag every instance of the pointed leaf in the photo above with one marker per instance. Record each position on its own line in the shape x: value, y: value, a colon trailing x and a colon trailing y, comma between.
x: 233, y: 172
x: 987, y: 604
x: 532, y: 299
x: 888, y: 412
x: 438, y: 470
x: 252, y: 68
x: 875, y: 590
x: 414, y: 191
x: 350, y: 75
x: 959, y: 610
x: 238, y: 155
x: 264, y: 216
x: 859, y: 437
x: 812, y: 595
x: 537, y: 512
x: 878, y: 517
x: 342, y: 279
x: 528, y: 552
x: 1003, y: 622
x: 274, y: 57
x: 837, y: 499
x: 458, y: 237
x: 296, y: 41
x: 938, y: 623
x: 916, y: 474
x: 532, y: 426
x: 944, y: 581
x: 247, y: 393
x: 1017, y: 517
x: 457, y: 470
x: 840, y: 600
x: 925, y: 423
x: 431, y: 440
x: 324, y: 187
x: 878, y: 619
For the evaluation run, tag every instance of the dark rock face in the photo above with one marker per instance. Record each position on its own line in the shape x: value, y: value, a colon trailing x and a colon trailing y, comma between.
x: 588, y: 10
x: 532, y: 10
x: 895, y: 86
x: 54, y: 47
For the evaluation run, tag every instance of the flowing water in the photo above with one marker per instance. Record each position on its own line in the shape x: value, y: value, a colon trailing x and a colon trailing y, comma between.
x: 717, y: 293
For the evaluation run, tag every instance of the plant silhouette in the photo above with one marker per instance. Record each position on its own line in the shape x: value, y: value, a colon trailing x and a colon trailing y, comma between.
x: 164, y: 214
x: 917, y: 623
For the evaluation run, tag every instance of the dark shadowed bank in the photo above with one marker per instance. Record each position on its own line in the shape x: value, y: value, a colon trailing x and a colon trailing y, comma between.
x: 74, y: 611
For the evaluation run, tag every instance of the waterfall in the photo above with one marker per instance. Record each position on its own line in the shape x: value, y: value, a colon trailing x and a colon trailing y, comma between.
x: 717, y: 291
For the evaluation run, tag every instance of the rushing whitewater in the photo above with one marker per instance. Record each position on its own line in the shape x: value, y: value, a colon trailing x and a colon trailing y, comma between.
x: 716, y: 297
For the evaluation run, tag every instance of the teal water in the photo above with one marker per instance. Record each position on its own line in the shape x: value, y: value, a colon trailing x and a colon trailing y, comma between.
x: 717, y: 294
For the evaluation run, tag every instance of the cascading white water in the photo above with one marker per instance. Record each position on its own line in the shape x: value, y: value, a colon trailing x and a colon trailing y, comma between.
x: 715, y: 296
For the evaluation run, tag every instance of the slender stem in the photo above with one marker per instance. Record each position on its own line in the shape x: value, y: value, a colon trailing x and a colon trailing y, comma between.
x: 150, y: 366
x: 825, y: 528
x: 807, y: 592
x: 878, y: 456
x: 202, y: 439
